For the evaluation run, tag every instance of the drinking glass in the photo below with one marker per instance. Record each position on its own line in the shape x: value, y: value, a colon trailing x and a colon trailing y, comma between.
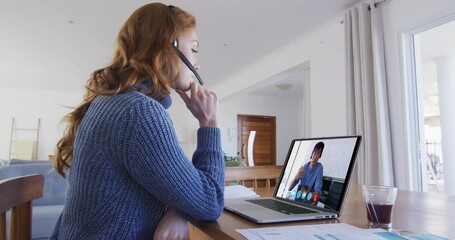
x: 379, y: 201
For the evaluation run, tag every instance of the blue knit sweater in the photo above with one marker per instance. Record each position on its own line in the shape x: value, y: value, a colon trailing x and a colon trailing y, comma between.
x: 128, y: 167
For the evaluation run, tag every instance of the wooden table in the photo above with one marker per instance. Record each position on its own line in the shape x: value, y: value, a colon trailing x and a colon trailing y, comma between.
x: 413, y: 212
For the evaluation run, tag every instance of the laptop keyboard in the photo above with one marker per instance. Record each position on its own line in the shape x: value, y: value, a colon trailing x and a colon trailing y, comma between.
x: 281, y: 207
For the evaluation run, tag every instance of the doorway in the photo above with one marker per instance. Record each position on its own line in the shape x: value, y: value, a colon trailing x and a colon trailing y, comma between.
x: 433, y: 54
x: 263, y: 145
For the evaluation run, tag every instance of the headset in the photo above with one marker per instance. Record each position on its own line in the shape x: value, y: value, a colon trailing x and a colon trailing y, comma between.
x: 187, y: 63
x: 185, y: 60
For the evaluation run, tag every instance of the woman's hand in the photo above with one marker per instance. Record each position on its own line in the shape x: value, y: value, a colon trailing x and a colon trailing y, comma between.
x: 171, y: 226
x: 202, y: 104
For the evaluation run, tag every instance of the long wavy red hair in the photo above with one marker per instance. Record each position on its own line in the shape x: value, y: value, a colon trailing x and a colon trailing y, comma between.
x: 143, y: 53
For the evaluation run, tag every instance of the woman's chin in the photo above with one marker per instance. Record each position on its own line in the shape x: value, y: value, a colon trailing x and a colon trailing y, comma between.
x: 183, y: 89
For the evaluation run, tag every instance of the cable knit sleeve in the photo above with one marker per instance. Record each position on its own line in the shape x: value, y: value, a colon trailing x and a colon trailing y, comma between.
x: 156, y: 161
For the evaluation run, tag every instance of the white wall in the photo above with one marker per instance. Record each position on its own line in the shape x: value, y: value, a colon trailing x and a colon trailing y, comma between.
x: 26, y: 106
x: 400, y: 17
x: 285, y: 110
x: 324, y: 48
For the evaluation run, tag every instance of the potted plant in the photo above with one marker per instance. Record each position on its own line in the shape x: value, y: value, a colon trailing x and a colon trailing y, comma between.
x: 230, y: 161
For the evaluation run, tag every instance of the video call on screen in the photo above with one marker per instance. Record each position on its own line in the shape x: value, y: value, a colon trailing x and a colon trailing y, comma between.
x: 322, y: 184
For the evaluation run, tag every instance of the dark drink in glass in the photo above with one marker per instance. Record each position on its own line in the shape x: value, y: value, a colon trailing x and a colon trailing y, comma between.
x: 380, y: 215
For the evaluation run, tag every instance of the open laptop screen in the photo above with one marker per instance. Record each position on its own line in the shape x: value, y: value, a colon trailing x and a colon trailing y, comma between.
x: 316, y: 171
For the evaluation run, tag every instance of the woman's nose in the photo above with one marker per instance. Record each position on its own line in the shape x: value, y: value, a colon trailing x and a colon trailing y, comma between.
x: 197, y: 66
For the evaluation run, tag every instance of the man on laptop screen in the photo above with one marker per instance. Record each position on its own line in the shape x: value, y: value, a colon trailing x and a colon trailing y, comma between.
x: 307, y: 183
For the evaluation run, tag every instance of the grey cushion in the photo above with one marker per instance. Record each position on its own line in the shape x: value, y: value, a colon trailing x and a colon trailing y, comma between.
x: 44, y: 220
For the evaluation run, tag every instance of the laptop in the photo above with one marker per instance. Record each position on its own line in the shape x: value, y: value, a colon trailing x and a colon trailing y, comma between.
x: 312, y: 184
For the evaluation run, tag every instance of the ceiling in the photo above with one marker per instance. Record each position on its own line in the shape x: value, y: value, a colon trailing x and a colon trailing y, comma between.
x: 57, y: 44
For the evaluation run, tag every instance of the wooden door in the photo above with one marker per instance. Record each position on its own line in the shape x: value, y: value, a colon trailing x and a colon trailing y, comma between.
x: 264, y: 149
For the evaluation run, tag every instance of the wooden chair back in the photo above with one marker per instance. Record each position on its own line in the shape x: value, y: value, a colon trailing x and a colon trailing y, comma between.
x: 255, y: 173
x: 17, y: 194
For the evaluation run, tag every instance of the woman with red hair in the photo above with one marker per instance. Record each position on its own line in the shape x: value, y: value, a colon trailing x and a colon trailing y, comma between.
x: 128, y: 178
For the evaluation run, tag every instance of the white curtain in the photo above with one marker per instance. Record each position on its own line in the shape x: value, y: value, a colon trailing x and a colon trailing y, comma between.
x: 368, y: 109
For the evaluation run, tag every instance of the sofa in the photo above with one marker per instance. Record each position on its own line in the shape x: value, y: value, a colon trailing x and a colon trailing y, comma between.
x: 46, y: 210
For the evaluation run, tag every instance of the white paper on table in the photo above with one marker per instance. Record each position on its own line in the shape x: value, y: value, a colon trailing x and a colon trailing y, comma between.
x: 238, y: 191
x: 339, y: 231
